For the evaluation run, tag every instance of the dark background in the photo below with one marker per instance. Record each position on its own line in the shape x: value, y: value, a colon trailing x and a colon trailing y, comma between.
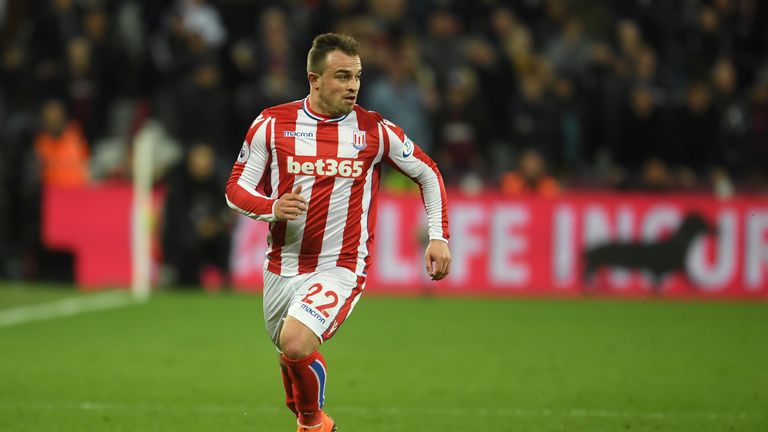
x: 523, y: 96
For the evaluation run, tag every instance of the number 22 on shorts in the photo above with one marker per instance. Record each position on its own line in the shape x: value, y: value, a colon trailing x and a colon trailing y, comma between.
x: 316, y: 289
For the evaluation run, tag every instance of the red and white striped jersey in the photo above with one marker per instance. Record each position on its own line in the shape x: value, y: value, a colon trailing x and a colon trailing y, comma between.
x: 337, y: 162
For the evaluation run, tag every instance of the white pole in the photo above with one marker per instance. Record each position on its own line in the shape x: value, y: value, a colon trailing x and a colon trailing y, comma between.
x: 142, y: 214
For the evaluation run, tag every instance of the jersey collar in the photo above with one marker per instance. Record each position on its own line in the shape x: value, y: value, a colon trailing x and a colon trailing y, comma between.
x: 317, y: 116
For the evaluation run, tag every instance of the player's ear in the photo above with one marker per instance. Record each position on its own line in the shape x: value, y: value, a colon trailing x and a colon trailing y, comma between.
x: 314, y: 80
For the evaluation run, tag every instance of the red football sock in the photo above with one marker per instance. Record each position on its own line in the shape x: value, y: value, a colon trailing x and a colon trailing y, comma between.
x: 307, y: 376
x: 288, y: 384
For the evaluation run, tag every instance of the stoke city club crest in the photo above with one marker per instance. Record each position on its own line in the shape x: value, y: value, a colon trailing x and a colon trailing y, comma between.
x: 358, y: 140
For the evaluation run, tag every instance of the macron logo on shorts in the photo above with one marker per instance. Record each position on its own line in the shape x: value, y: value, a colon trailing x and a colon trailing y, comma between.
x: 312, y: 312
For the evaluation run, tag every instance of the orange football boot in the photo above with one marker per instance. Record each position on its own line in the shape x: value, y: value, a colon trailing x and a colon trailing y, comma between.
x: 328, y: 425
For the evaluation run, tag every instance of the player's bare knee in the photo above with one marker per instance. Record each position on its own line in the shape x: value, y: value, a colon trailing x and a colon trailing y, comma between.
x: 295, y: 347
x: 297, y: 341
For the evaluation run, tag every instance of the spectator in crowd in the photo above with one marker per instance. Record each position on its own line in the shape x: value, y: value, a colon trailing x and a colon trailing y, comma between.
x: 401, y: 97
x: 534, y: 121
x: 462, y: 129
x: 330, y: 13
x: 198, y: 17
x: 731, y: 112
x: 190, y: 32
x: 571, y: 112
x: 694, y: 148
x: 85, y: 87
x: 655, y: 176
x: 195, y: 228
x: 640, y: 137
x: 390, y: 15
x: 19, y: 86
x: 53, y: 24
x: 502, y: 24
x: 531, y: 178
x: 646, y: 70
x: 496, y: 81
x: 265, y: 67
x: 442, y: 45
x: 201, y: 108
x: 757, y: 143
x: 705, y: 40
x: 61, y: 147
x: 518, y: 46
x: 570, y: 51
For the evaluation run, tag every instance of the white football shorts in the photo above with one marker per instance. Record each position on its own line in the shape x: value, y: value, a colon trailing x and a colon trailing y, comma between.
x: 321, y: 300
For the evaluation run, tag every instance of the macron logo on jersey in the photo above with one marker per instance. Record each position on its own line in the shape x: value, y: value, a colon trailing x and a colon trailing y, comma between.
x: 298, y: 134
x: 327, y: 167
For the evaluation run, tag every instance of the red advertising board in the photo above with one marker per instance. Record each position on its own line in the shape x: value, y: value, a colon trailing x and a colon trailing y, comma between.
x: 536, y: 246
x: 500, y: 246
x: 94, y: 223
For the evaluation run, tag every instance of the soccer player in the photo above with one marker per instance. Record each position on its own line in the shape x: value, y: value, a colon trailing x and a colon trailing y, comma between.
x: 311, y: 168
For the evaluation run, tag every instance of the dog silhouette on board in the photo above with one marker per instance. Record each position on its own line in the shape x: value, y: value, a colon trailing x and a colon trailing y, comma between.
x: 657, y: 258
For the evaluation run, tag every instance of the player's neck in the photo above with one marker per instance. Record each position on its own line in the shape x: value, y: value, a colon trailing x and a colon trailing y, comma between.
x: 316, y: 107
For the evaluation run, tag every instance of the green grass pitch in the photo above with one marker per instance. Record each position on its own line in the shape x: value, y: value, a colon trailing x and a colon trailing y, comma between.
x: 203, y: 362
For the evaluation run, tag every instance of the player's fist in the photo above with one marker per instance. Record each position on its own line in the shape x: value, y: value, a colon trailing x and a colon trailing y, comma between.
x: 290, y: 206
x: 438, y: 259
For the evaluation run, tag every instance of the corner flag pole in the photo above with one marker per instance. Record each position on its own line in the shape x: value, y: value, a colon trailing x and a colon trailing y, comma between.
x: 141, y: 235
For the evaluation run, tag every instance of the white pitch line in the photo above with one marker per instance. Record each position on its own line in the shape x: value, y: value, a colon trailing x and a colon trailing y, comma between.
x: 65, y: 307
x: 393, y: 410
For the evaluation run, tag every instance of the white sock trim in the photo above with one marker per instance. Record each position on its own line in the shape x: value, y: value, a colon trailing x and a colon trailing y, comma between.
x: 318, y: 426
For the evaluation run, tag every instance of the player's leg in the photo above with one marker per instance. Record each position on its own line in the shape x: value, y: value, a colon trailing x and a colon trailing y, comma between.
x: 297, y: 340
x: 317, y: 310
x: 304, y: 367
x: 278, y: 293
x: 290, y: 399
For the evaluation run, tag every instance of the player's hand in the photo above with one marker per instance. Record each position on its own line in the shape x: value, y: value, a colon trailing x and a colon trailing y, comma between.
x: 291, y: 205
x: 438, y: 259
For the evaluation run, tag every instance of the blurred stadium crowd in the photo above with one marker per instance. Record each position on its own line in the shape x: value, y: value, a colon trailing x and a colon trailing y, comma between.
x: 523, y: 96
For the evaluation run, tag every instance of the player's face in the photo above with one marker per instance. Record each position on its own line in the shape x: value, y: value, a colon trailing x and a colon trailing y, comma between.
x: 336, y: 88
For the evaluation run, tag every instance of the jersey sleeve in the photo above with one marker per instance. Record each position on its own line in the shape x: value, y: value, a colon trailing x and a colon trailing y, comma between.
x: 249, y: 173
x: 405, y: 156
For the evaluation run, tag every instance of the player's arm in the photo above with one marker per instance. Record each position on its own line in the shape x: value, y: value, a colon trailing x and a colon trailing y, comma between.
x: 408, y: 158
x: 247, y: 174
